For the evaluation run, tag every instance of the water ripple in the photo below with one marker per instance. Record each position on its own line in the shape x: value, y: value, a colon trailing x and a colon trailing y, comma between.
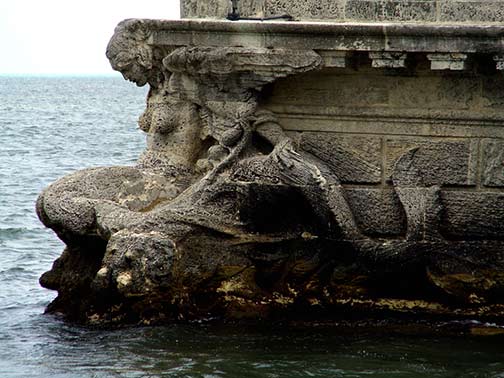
x: 54, y: 126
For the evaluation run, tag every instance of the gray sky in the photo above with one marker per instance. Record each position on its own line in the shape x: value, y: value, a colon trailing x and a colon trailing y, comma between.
x: 65, y: 36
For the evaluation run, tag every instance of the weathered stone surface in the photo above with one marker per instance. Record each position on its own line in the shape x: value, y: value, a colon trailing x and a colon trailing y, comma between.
x: 373, y: 10
x: 424, y: 38
x: 435, y: 162
x: 475, y: 11
x: 493, y: 163
x: 360, y: 10
x: 132, y: 55
x: 291, y: 180
x: 68, y: 205
x: 388, y: 60
x: 435, y: 92
x: 454, y: 62
x: 324, y: 9
x: 317, y: 89
x: 464, y: 219
x: 352, y: 159
x: 339, y: 59
x: 493, y: 92
x: 378, y: 212
x: 428, y: 102
x: 209, y: 8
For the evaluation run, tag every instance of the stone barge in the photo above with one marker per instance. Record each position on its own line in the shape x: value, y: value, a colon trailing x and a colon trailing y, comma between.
x: 348, y: 163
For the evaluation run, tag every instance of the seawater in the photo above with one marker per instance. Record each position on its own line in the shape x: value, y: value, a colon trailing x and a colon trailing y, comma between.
x: 52, y: 126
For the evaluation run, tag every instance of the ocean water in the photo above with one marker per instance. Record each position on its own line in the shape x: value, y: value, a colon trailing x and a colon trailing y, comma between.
x: 51, y: 126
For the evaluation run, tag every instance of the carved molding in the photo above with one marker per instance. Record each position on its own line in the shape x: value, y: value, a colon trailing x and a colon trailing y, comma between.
x: 246, y: 67
x: 453, y: 62
x: 339, y: 59
x: 388, y: 59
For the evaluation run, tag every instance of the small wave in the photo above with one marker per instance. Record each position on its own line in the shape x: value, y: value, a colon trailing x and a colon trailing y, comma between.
x: 15, y: 269
x: 13, y: 231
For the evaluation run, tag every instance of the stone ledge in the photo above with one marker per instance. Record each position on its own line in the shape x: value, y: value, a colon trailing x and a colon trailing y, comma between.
x: 436, y: 31
x: 325, y: 37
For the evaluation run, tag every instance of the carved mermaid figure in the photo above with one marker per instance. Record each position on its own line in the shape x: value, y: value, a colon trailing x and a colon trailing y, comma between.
x: 225, y: 215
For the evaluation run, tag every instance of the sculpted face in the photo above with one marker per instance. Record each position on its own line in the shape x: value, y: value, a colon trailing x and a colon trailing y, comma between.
x: 130, y: 54
x: 135, y: 73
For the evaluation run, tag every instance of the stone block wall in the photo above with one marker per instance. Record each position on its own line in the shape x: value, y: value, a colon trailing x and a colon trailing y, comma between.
x: 363, y: 120
x: 383, y: 92
x: 354, y: 10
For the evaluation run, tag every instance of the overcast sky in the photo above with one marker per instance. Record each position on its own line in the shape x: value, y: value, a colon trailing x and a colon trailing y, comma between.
x: 67, y: 36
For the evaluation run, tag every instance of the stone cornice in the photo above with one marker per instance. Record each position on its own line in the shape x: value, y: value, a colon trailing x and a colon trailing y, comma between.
x: 331, y: 36
x: 371, y: 28
x: 131, y: 48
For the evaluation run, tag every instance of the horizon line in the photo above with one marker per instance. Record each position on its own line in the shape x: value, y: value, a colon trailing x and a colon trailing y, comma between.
x: 113, y: 73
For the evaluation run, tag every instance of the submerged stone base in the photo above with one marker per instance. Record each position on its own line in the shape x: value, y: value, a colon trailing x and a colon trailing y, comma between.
x: 357, y: 173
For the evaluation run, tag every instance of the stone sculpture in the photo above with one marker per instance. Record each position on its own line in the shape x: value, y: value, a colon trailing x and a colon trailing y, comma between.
x: 227, y: 214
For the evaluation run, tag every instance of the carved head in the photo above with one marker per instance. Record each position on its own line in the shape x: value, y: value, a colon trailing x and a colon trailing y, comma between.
x: 129, y: 52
